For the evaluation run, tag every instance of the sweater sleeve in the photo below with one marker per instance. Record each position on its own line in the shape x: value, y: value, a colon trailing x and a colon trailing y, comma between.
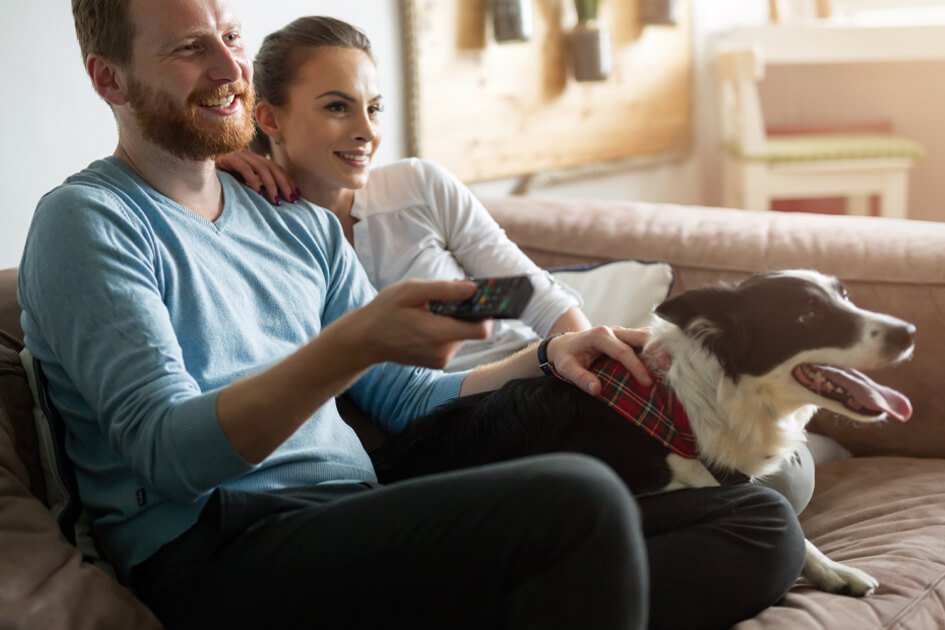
x: 391, y: 394
x: 483, y: 249
x: 91, y: 293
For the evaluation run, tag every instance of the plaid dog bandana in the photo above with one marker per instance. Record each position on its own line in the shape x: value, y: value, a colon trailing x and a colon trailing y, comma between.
x: 654, y: 409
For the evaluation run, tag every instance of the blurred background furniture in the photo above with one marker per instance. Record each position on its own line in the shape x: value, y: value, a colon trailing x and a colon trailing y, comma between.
x: 759, y: 167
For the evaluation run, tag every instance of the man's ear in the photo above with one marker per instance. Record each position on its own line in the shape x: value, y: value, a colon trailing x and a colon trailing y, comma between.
x: 267, y: 119
x: 107, y: 80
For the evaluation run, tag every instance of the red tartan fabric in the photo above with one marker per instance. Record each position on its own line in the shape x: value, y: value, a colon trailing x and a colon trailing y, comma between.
x: 654, y: 409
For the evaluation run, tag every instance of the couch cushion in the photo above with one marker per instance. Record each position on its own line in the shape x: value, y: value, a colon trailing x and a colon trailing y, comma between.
x: 619, y: 292
x: 9, y: 308
x: 45, y: 583
x: 16, y: 401
x: 886, y: 516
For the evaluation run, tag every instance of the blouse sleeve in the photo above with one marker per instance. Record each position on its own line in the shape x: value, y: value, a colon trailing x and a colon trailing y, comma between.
x: 482, y: 248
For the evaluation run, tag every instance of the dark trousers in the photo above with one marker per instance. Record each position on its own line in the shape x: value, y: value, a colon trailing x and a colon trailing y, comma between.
x: 546, y: 542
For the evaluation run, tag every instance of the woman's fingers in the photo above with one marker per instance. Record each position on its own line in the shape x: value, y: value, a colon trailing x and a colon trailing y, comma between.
x: 261, y: 174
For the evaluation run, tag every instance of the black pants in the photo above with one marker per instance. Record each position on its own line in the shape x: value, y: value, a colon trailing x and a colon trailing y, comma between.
x: 546, y: 542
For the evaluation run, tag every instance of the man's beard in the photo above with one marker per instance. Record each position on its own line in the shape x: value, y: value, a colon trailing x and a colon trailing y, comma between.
x: 184, y: 131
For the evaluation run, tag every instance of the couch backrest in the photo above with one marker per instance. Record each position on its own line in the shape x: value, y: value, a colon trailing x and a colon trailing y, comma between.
x: 892, y: 266
x: 9, y: 308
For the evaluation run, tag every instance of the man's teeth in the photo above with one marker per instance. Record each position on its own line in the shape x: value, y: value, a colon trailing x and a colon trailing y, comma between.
x: 223, y: 101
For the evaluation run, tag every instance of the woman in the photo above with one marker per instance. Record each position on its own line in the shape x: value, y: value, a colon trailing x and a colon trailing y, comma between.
x: 319, y: 107
x: 319, y: 116
x: 318, y: 112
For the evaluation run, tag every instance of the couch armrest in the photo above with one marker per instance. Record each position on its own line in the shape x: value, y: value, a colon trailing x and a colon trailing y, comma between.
x: 894, y: 266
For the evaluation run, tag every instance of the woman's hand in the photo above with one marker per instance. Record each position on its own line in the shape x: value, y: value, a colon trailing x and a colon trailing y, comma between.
x: 573, y: 353
x: 261, y: 174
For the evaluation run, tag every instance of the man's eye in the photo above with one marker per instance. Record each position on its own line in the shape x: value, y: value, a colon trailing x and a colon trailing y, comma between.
x: 232, y: 37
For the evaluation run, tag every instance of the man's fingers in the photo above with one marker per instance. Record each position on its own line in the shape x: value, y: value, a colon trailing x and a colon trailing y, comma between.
x: 418, y: 292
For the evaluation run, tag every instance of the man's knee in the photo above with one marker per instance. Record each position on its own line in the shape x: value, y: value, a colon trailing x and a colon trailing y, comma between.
x: 581, y: 484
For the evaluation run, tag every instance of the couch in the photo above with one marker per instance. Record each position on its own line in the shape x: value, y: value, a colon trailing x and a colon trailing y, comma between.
x: 882, y: 510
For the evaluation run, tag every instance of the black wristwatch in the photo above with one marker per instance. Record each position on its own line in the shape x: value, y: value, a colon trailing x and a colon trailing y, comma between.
x: 543, y: 362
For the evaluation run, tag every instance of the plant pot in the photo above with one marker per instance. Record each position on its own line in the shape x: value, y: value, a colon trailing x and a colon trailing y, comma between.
x: 590, y: 51
x: 664, y: 12
x: 511, y: 20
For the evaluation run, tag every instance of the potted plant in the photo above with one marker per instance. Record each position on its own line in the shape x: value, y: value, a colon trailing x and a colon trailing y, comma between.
x: 662, y: 12
x: 511, y: 20
x: 590, y: 43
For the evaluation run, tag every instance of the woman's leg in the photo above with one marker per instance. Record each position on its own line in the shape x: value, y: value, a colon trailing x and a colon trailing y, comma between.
x: 719, y: 555
x: 795, y: 479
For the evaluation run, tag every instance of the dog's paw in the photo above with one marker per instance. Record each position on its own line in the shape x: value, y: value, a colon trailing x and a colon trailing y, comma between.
x: 833, y: 577
x: 688, y: 473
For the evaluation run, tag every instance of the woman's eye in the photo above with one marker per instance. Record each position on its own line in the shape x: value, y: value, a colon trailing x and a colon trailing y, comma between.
x: 336, y: 108
x: 373, y: 110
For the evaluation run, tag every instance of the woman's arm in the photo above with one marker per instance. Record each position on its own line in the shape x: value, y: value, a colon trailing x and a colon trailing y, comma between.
x: 482, y: 249
x: 573, y: 320
x: 571, y: 355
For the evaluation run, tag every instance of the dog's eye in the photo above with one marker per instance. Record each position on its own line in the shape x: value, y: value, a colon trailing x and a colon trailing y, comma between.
x: 807, y: 316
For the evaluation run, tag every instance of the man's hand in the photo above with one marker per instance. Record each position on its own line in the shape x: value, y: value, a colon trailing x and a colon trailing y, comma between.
x: 573, y: 353
x: 261, y: 174
x: 398, y: 325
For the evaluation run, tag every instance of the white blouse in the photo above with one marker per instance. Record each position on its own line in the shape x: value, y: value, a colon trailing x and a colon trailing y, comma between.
x: 416, y: 220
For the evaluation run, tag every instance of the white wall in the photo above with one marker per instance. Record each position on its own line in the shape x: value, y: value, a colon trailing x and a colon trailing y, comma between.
x: 55, y: 124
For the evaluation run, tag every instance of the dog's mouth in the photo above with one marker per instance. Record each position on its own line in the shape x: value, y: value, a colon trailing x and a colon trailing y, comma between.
x: 854, y: 390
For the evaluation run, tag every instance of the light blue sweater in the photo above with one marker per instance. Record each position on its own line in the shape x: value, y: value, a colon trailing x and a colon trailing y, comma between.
x: 140, y: 311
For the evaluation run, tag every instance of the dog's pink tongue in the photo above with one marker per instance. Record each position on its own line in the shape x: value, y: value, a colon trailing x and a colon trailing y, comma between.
x: 868, y: 392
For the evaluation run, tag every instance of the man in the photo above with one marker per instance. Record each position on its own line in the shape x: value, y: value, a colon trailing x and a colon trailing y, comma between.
x: 194, y: 337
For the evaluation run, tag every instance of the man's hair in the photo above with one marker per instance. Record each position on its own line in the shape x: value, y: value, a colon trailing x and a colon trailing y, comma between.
x: 103, y: 28
x: 283, y: 51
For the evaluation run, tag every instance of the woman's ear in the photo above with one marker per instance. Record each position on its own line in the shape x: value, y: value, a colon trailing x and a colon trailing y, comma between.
x: 266, y: 119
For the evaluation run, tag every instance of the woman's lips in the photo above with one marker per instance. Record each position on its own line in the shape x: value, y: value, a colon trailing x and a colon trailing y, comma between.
x: 354, y: 160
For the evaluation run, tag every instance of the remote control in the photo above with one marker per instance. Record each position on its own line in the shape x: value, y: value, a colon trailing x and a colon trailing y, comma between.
x: 495, y: 298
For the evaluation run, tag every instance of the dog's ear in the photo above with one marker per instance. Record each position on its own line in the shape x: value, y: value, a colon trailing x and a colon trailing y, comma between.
x: 707, y: 314
x: 707, y: 303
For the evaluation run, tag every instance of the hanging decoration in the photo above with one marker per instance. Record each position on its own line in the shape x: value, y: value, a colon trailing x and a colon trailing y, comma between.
x: 590, y: 43
x: 511, y: 20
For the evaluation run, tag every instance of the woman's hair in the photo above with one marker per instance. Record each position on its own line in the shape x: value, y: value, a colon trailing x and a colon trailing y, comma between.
x: 283, y: 51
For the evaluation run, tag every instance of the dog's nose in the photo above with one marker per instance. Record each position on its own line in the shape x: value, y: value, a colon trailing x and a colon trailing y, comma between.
x: 900, y: 337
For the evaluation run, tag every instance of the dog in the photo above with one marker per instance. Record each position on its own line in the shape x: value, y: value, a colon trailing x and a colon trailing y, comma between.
x: 749, y: 364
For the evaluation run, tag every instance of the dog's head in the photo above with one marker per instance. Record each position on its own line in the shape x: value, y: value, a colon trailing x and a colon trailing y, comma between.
x: 799, y: 332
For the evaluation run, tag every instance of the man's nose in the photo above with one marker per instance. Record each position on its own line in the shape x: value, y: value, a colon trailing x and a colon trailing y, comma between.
x: 227, y: 64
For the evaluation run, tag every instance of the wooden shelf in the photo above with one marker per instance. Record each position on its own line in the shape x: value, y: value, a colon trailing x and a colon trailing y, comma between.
x: 830, y: 42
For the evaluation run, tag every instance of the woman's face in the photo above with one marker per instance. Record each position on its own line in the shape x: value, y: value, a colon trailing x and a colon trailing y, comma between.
x: 330, y: 126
